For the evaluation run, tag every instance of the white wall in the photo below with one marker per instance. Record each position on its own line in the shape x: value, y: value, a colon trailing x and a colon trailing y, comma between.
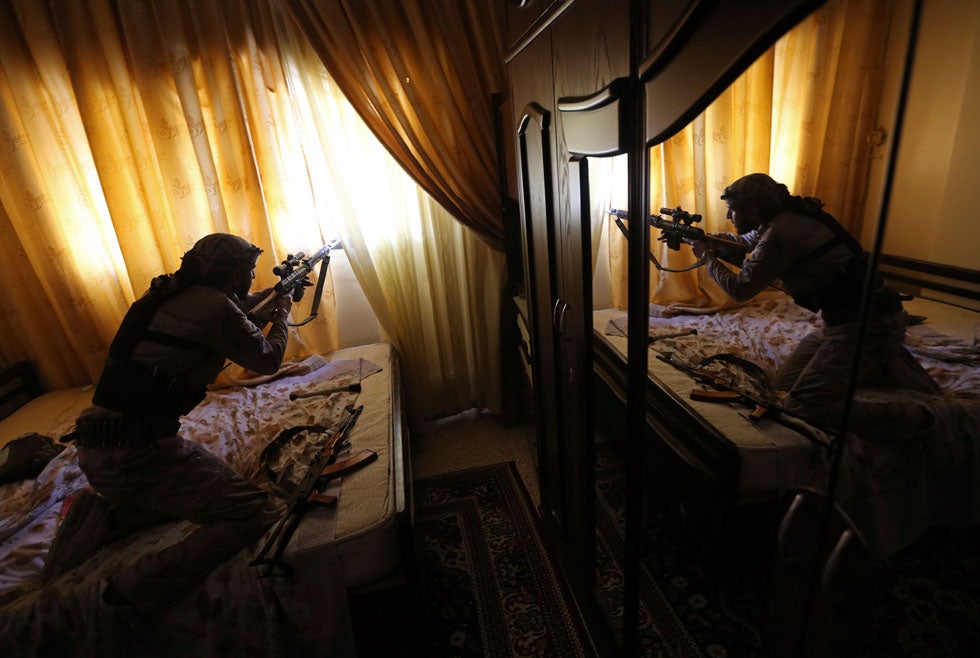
x: 356, y: 322
x: 935, y: 201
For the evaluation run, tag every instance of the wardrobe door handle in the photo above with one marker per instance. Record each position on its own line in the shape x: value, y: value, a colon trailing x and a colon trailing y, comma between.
x: 558, y: 316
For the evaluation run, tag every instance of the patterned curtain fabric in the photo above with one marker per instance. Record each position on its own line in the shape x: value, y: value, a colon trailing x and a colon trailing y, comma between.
x: 434, y: 285
x: 128, y: 130
x: 420, y: 74
x: 131, y: 130
x: 802, y: 113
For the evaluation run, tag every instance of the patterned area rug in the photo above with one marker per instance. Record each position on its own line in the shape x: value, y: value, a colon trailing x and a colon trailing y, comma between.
x: 928, y: 601
x: 929, y: 598
x: 682, y: 612
x: 488, y: 582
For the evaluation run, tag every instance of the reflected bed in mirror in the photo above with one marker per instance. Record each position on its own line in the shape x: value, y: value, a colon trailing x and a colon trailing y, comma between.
x: 712, y: 456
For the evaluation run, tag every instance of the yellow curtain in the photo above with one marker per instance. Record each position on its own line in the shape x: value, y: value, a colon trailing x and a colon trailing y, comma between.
x: 420, y: 74
x: 433, y: 283
x: 802, y: 113
x: 136, y: 128
x: 129, y: 130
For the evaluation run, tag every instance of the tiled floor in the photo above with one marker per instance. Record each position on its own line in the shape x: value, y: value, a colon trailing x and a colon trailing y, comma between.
x: 472, y: 439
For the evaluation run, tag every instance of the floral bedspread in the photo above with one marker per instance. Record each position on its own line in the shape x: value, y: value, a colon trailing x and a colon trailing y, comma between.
x: 892, y: 491
x: 233, y: 612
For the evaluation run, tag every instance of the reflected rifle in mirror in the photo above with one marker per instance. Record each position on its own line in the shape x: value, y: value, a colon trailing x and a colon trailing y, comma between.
x: 726, y: 393
x: 293, y: 273
x: 679, y: 228
x: 763, y: 407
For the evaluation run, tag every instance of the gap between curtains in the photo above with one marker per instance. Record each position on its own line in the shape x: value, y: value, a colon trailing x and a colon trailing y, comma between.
x: 421, y: 73
x: 434, y: 284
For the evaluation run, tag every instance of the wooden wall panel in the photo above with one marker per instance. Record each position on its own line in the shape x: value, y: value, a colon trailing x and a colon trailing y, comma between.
x: 718, y: 42
x: 532, y: 94
x: 591, y: 49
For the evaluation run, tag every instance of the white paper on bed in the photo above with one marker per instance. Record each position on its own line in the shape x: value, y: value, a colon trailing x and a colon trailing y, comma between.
x: 234, y: 612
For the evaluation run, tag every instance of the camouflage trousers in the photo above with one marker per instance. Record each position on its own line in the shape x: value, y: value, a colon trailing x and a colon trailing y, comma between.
x: 817, y: 373
x: 175, y: 479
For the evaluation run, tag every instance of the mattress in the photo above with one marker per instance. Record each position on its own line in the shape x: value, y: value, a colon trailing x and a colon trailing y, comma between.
x: 52, y: 414
x: 344, y: 547
x: 367, y: 528
x: 372, y: 501
x: 765, y: 331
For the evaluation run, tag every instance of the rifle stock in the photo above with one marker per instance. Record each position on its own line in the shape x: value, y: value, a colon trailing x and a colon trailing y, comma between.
x: 762, y: 408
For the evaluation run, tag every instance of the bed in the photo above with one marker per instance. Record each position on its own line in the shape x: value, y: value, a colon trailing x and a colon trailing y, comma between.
x: 239, y: 610
x: 710, y: 459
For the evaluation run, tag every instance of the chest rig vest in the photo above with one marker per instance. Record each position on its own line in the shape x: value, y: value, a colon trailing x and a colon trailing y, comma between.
x: 135, y: 389
x: 838, y: 297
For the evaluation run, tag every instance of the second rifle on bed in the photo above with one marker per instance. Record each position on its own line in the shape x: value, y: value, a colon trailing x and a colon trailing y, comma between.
x: 323, y: 467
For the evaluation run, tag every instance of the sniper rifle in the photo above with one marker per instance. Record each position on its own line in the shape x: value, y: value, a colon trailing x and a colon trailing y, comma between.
x: 679, y: 228
x: 293, y: 273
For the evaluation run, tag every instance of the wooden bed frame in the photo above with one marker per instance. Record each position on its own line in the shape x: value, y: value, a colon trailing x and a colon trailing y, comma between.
x: 954, y: 285
x: 19, y: 384
x: 696, y: 467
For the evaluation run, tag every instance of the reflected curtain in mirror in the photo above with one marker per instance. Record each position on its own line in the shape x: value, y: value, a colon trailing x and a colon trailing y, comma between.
x: 803, y: 113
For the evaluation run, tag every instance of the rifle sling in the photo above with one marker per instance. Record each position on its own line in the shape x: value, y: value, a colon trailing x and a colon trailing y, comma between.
x: 317, y: 293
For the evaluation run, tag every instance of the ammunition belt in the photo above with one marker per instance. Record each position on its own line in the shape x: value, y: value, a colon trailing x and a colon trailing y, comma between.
x: 111, y: 431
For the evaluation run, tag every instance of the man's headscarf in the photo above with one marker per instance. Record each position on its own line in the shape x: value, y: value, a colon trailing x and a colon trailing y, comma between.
x: 215, y: 256
x: 759, y: 191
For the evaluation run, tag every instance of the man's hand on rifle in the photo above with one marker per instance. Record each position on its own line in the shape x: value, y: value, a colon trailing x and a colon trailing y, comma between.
x: 276, y: 308
x: 280, y: 307
x: 701, y: 248
x: 261, y: 317
x: 300, y: 288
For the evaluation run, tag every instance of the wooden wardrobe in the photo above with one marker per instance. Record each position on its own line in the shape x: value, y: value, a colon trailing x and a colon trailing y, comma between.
x: 592, y: 79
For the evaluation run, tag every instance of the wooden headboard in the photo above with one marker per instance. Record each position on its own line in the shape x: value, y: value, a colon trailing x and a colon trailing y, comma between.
x: 946, y: 283
x: 19, y: 385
